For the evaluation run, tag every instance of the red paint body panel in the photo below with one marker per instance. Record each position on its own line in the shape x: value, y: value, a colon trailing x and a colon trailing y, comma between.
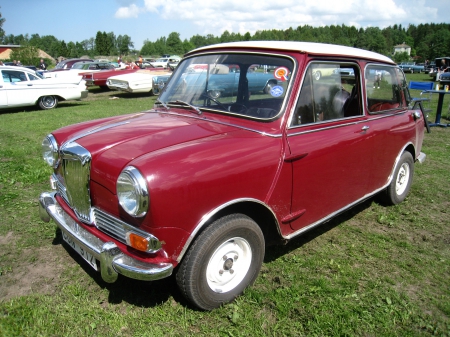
x: 196, y: 164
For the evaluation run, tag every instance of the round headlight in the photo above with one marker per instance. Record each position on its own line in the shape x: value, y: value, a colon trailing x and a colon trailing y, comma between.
x: 132, y: 192
x: 50, y: 150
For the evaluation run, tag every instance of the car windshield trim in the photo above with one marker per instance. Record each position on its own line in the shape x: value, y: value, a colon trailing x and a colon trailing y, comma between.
x: 246, y: 84
x: 186, y: 104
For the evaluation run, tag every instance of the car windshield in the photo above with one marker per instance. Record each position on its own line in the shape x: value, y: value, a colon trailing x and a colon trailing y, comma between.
x: 250, y: 85
x: 78, y: 65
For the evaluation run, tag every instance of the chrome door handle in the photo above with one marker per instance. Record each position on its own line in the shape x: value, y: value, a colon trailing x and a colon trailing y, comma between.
x: 365, y: 128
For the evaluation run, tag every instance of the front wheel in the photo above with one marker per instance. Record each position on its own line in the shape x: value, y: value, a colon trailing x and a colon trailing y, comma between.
x: 48, y: 102
x: 401, y: 182
x: 224, y: 259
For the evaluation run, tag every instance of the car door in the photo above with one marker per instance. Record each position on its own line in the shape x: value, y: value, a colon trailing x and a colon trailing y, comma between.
x: 3, y: 93
x: 389, y: 119
x: 17, y: 88
x: 329, y: 146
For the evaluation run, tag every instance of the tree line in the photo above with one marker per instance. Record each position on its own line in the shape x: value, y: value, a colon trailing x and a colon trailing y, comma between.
x: 427, y: 41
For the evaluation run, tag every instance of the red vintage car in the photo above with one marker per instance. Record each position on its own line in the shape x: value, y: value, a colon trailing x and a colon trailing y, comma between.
x: 199, y: 185
x: 99, y: 78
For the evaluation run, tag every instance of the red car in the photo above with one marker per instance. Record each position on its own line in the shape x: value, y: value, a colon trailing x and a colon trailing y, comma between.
x: 199, y: 185
x: 99, y: 78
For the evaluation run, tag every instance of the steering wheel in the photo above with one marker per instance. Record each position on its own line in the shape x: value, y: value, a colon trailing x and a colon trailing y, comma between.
x: 214, y: 100
x: 237, y: 105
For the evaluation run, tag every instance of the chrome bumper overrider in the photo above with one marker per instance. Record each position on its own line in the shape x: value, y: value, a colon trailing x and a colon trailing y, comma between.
x: 112, y: 260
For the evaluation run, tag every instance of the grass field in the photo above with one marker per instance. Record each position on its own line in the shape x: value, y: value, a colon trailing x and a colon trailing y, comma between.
x: 372, y: 271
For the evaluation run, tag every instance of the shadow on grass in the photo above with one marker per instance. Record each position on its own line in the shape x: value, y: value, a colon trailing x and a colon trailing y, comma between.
x: 150, y: 294
x: 36, y: 109
x: 274, y: 252
x: 137, y: 293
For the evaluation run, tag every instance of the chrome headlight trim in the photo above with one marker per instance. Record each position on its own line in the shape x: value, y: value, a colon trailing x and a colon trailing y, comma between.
x: 50, y: 151
x: 132, y: 192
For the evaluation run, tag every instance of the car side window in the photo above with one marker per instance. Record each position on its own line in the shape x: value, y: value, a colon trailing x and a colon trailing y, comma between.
x: 14, y: 76
x: 330, y: 91
x: 384, y: 88
x: 33, y: 78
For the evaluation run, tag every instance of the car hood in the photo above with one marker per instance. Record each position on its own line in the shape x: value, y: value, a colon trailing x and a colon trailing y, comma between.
x: 117, y: 142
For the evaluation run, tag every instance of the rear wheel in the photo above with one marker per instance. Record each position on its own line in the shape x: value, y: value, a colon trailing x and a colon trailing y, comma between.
x: 224, y: 259
x: 400, y: 185
x: 48, y: 102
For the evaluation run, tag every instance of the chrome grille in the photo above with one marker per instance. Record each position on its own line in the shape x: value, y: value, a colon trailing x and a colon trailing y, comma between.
x: 110, y: 225
x: 75, y: 169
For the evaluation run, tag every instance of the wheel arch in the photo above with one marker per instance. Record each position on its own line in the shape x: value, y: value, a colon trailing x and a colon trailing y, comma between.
x: 407, y: 148
x: 254, y: 209
x: 59, y: 98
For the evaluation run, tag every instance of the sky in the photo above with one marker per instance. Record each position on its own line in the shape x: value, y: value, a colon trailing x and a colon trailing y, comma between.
x: 150, y: 20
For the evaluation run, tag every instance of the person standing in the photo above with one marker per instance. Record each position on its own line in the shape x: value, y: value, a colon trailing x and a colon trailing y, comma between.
x: 42, y: 65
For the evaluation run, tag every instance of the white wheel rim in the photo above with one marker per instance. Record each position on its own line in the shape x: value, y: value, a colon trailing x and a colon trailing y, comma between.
x: 48, y: 101
x: 402, y: 179
x: 228, y: 265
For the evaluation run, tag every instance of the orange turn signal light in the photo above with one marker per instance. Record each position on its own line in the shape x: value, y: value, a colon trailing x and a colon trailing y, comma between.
x: 137, y: 242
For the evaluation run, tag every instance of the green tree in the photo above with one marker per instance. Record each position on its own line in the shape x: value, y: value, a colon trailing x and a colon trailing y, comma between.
x: 28, y: 55
x: 124, y: 44
x: 174, y: 45
x: 2, y: 32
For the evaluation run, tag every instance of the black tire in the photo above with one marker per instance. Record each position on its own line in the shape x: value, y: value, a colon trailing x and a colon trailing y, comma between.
x: 317, y: 75
x: 48, y: 102
x: 401, y: 182
x: 222, y: 261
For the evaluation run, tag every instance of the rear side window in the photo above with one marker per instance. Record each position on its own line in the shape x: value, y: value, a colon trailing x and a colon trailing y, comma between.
x: 330, y: 91
x: 385, y: 87
x: 13, y: 76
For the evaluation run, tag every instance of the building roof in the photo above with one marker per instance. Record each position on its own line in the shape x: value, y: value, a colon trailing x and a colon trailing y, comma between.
x: 5, y: 52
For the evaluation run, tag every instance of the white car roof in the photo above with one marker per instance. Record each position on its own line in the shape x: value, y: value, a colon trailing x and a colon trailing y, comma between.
x: 17, y: 68
x: 302, y: 47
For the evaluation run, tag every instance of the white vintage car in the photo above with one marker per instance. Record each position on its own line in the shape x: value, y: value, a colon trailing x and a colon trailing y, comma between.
x: 165, y: 62
x: 139, y: 81
x: 23, y: 87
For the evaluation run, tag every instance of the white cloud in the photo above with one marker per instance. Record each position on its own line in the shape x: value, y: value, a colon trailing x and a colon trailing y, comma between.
x: 214, y: 17
x: 132, y: 11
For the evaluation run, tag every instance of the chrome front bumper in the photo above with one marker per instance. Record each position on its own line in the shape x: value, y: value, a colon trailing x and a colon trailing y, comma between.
x: 112, y: 260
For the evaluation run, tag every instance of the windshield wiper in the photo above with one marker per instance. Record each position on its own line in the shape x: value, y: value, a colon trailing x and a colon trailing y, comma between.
x: 186, y: 104
x: 162, y: 103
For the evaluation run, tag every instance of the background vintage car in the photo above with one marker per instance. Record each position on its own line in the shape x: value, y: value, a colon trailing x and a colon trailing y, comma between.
x: 99, y: 78
x: 135, y: 82
x: 412, y: 67
x: 200, y: 185
x: 79, y: 68
x: 164, y: 62
x: 23, y: 87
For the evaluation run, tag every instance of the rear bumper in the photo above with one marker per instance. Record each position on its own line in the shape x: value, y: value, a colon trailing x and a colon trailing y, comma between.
x: 84, y: 94
x: 112, y: 260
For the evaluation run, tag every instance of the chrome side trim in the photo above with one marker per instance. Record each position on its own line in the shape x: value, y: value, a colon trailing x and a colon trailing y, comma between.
x: 209, y: 215
x: 101, y: 128
x: 112, y: 260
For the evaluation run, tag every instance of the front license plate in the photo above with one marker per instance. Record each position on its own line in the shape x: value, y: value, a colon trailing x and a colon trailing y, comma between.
x: 80, y: 250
